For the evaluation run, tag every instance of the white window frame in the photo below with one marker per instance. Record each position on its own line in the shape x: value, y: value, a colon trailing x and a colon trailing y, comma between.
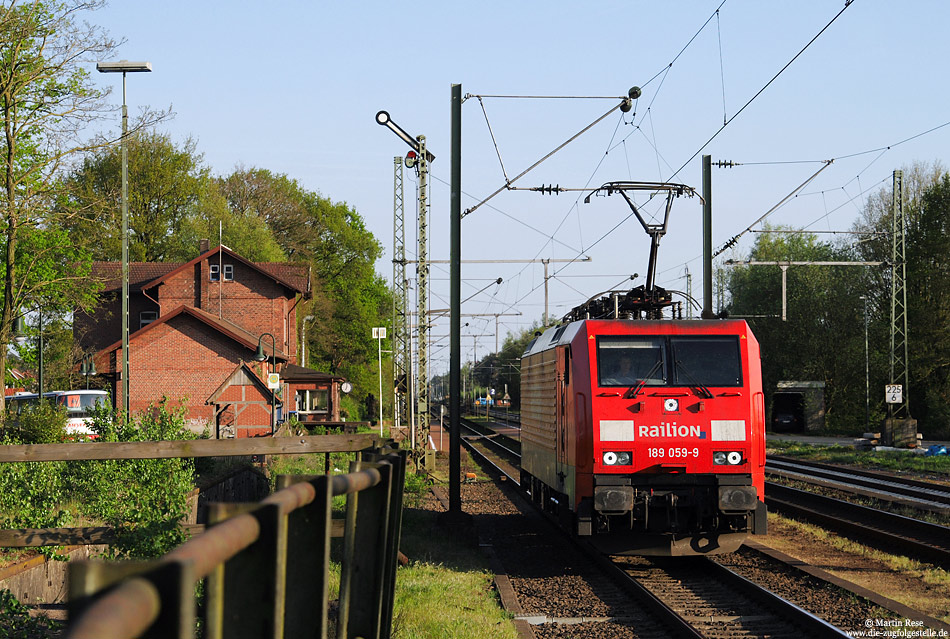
x: 228, y: 272
x: 213, y: 273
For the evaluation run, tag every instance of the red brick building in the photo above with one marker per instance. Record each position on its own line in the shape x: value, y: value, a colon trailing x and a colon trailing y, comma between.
x: 192, y: 326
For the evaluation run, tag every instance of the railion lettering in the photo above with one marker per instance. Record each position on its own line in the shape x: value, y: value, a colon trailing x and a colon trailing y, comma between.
x: 668, y: 429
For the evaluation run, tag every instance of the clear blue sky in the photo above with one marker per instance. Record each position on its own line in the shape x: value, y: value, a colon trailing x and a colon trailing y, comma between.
x: 293, y: 87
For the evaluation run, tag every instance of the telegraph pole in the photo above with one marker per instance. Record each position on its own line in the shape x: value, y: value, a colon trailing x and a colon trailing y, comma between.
x: 900, y: 429
x: 455, y: 286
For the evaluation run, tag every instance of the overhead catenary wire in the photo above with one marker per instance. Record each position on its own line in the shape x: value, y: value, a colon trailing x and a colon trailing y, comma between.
x: 508, y: 183
x: 736, y: 237
x: 552, y: 237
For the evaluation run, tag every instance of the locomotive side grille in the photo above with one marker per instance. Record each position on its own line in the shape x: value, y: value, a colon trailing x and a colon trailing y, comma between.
x: 538, y: 384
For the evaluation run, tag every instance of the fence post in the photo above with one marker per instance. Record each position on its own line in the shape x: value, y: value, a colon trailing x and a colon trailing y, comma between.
x: 394, y: 532
x: 253, y: 588
x: 364, y: 617
x: 308, y: 565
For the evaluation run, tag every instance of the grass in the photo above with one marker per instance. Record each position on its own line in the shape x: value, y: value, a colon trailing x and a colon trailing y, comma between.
x: 446, y: 590
x: 899, y: 461
x: 929, y: 583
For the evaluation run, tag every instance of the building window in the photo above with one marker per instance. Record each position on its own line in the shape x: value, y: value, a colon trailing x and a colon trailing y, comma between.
x: 215, y: 274
x: 313, y: 401
x: 228, y: 272
x: 147, y: 317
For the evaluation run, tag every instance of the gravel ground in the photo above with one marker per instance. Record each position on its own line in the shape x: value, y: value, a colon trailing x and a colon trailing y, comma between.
x: 551, y: 579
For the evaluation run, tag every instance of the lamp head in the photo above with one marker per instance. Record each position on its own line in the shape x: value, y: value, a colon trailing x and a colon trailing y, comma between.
x: 123, y: 66
x: 259, y: 355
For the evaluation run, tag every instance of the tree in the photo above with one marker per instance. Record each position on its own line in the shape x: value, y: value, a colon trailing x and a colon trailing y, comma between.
x: 349, y: 297
x: 927, y: 219
x: 823, y: 337
x: 46, y: 100
x: 173, y: 203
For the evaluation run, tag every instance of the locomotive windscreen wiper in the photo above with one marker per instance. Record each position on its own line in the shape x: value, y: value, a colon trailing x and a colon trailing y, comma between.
x: 701, y: 390
x: 633, y: 391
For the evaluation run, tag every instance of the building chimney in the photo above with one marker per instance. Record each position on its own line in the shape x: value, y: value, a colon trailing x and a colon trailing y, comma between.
x: 203, y: 246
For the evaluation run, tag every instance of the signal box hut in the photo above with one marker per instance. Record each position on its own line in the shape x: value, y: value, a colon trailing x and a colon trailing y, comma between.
x: 312, y: 397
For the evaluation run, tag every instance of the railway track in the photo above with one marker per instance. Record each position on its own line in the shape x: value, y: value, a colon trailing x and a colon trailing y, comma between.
x: 885, y: 487
x: 923, y: 540
x: 691, y: 598
x: 888, y: 531
x: 880, y: 528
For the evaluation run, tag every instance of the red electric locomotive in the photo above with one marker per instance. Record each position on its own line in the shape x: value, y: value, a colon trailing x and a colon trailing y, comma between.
x: 647, y: 435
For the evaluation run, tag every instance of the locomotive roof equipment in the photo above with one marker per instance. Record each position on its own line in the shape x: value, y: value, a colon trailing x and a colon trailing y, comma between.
x: 647, y: 299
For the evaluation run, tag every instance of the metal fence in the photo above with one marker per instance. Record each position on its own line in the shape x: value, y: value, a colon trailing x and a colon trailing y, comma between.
x: 264, y: 568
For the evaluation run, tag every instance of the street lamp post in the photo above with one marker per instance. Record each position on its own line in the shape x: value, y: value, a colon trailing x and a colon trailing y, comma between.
x: 379, y: 334
x: 124, y: 67
x: 260, y: 356
x: 88, y: 368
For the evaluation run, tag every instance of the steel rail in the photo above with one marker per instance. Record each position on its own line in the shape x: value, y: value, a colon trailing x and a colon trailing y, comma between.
x: 815, y: 625
x: 906, y: 486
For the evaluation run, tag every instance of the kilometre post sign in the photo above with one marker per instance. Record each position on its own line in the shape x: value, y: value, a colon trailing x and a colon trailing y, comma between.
x: 894, y: 394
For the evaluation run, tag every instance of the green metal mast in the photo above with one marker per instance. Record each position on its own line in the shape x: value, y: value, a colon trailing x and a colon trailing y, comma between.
x: 402, y: 349
x: 422, y: 292
x: 899, y: 369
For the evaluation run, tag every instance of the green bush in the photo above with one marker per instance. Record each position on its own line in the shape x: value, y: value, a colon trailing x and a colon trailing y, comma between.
x: 33, y: 494
x: 40, y: 423
x: 143, y: 499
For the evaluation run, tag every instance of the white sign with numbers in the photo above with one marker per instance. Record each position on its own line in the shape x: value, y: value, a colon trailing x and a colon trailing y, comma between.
x: 894, y: 394
x: 379, y: 333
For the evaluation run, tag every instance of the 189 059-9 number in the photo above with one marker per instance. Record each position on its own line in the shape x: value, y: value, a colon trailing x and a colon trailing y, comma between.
x: 673, y: 452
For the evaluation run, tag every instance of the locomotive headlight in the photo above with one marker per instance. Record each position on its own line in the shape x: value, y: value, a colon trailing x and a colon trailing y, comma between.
x: 727, y: 457
x: 620, y: 458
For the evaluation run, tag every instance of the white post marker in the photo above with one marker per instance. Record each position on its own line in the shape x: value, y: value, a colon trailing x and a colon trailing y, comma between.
x: 379, y: 334
x: 894, y: 393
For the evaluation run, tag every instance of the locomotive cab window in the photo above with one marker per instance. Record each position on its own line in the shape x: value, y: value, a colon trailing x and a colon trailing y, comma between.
x: 708, y: 360
x: 626, y: 360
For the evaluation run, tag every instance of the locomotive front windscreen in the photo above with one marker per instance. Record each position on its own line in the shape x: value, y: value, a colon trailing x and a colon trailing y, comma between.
x: 625, y: 360
x: 708, y: 360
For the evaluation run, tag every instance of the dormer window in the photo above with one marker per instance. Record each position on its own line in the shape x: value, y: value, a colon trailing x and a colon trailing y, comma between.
x: 215, y: 270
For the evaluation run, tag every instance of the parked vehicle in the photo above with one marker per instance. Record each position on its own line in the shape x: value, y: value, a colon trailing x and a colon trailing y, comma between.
x: 78, y: 405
